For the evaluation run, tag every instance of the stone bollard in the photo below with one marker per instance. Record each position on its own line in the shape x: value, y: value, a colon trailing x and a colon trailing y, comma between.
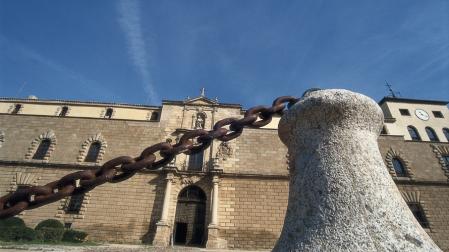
x: 341, y: 196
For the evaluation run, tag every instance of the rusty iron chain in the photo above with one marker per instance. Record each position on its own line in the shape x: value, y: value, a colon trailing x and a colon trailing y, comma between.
x: 124, y: 167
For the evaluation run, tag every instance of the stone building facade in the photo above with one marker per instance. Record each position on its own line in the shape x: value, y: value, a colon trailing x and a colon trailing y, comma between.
x: 232, y: 195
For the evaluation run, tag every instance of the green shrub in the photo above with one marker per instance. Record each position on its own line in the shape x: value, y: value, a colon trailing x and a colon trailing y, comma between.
x: 71, y: 235
x: 49, y: 234
x: 50, y: 223
x: 50, y: 230
x: 17, y: 233
x: 12, y: 222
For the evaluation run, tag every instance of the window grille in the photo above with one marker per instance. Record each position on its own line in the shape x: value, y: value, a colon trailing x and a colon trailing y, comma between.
x: 413, y: 133
x: 108, y: 113
x: 154, y: 116
x: 74, y: 204
x: 196, y: 161
x: 432, y: 135
x: 399, y: 168
x: 418, y: 212
x: 93, y: 152
x: 64, y: 111
x: 404, y: 112
x: 446, y: 160
x: 437, y: 114
x: 446, y: 133
x: 42, y: 149
x: 16, y: 109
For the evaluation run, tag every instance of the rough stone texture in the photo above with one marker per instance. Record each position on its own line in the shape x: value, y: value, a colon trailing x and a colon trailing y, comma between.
x: 213, y: 239
x: 341, y: 194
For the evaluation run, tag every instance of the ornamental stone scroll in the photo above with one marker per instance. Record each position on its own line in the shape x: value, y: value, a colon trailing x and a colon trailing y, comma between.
x: 342, y: 197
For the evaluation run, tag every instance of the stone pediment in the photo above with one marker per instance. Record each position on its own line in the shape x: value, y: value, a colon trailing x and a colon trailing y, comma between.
x: 200, y: 101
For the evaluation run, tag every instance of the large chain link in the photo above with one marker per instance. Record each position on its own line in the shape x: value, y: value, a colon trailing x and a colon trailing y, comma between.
x: 124, y: 167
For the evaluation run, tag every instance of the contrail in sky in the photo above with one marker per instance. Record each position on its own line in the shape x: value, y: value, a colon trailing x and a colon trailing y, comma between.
x: 130, y: 22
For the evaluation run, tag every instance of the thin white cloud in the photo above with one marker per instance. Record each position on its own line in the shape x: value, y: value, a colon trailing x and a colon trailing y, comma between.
x: 89, y: 86
x: 130, y: 22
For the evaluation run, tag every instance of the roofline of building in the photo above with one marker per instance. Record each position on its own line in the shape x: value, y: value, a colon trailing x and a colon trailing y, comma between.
x: 68, y: 102
x: 232, y: 105
x: 407, y: 100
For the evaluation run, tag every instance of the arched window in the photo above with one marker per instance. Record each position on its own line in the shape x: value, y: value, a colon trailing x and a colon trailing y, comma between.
x: 196, y: 162
x: 93, y: 152
x: 42, y: 149
x: 446, y: 133
x: 108, y: 113
x: 74, y: 204
x: 418, y: 212
x: 64, y: 111
x: 413, y: 133
x: 154, y: 116
x: 16, y: 109
x: 399, y: 168
x: 432, y: 135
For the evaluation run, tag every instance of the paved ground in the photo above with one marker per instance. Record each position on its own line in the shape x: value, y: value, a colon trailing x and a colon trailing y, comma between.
x: 108, y: 248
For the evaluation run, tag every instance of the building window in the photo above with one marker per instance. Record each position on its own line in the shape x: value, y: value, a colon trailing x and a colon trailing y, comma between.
x: 93, y: 152
x: 437, y: 114
x: 64, y: 111
x: 413, y: 133
x: 446, y: 133
x: 108, y: 113
x: 42, y: 149
x: 384, y: 131
x: 74, y: 204
x: 196, y: 162
x: 418, y: 212
x: 404, y: 112
x: 432, y: 135
x: 154, y: 116
x: 399, y: 168
x: 16, y: 109
x: 446, y: 160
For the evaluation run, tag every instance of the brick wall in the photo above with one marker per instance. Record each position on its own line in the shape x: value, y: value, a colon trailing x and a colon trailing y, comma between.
x: 252, y: 210
x: 435, y: 201
x: 253, y: 190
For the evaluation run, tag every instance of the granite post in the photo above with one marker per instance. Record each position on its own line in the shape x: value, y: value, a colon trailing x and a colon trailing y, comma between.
x: 341, y: 196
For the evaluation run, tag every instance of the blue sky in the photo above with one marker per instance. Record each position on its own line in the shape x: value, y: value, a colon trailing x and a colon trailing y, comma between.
x: 245, y: 52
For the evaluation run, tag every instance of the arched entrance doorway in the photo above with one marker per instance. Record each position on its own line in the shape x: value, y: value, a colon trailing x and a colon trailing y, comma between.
x: 190, y: 217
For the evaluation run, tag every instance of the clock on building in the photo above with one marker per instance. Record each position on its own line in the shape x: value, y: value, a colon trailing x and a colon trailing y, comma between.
x: 422, y: 114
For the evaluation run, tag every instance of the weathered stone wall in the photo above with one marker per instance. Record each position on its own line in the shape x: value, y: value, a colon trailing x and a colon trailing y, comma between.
x: 434, y: 198
x: 251, y: 208
x: 420, y: 156
x: 123, y: 137
x: 119, y: 212
x: 259, y: 152
x: 251, y: 211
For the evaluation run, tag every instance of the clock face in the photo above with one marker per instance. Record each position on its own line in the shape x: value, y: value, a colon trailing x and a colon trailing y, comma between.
x: 422, y: 114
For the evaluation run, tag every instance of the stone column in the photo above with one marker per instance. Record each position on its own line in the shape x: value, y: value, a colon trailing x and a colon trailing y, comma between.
x: 163, y: 230
x: 213, y: 238
x: 214, y: 215
x: 341, y: 196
